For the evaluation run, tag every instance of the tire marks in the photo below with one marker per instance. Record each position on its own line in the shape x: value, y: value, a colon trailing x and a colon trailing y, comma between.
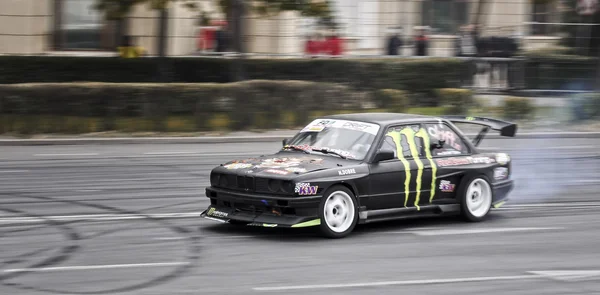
x: 190, y: 237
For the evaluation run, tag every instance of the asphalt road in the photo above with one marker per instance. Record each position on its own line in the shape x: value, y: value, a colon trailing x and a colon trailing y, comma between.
x: 123, y: 218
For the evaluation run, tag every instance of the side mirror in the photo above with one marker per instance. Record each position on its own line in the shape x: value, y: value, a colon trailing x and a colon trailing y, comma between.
x: 438, y: 145
x: 285, y: 141
x: 383, y: 155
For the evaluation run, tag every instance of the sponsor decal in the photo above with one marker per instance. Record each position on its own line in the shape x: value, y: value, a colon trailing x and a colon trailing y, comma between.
x: 440, y: 132
x: 238, y: 166
x: 305, y: 189
x: 448, y: 153
x: 347, y: 171
x: 262, y: 224
x: 409, y: 134
x: 446, y: 186
x: 215, y: 213
x: 281, y: 163
x: 481, y: 160
x: 275, y: 171
x: 502, y: 159
x: 464, y: 161
x: 500, y: 173
x: 295, y: 170
x: 470, y: 118
x: 320, y: 124
x: 453, y: 162
x: 315, y: 129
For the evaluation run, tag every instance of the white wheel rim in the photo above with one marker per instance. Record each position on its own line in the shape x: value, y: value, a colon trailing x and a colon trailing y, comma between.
x: 479, y: 197
x: 339, y: 211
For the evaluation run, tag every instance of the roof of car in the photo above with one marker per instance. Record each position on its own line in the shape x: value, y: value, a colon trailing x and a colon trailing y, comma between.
x: 380, y: 118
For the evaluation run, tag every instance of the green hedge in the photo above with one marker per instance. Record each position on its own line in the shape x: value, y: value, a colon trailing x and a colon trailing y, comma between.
x: 184, y: 107
x: 518, y: 108
x: 414, y: 75
x: 96, y: 107
x: 455, y: 101
x: 558, y: 70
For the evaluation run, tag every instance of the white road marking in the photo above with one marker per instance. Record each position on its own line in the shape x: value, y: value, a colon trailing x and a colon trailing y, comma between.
x: 98, y: 217
x: 170, y: 153
x: 65, y: 155
x: 443, y: 232
x: 170, y: 238
x: 92, y: 267
x: 568, y: 275
x: 14, y: 171
x: 390, y: 283
x: 87, y: 190
x: 580, y: 181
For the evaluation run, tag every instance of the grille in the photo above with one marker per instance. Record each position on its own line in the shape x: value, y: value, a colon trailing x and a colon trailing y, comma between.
x: 251, y: 184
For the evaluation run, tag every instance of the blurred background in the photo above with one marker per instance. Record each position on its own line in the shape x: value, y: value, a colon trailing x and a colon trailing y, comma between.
x: 113, y: 113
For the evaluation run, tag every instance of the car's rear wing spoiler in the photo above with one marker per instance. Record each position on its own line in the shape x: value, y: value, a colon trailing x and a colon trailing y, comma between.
x: 506, y: 128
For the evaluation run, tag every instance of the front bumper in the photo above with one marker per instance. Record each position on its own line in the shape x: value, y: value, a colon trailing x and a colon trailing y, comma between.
x: 501, y: 190
x: 261, y: 210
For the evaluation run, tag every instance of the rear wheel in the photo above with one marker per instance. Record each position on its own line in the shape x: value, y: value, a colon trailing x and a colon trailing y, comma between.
x: 338, y: 212
x: 475, y: 198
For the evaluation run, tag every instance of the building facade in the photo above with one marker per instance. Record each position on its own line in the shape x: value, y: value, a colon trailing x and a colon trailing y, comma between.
x: 74, y: 27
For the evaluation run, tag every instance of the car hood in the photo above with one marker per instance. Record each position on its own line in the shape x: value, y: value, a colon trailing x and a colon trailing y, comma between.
x: 283, y: 163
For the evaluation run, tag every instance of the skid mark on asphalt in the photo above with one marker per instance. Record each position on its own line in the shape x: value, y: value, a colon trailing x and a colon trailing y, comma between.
x: 190, y: 237
x: 70, y: 247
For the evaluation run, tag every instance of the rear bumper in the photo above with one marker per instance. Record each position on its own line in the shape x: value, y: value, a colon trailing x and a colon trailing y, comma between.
x: 501, y: 190
x: 261, y: 210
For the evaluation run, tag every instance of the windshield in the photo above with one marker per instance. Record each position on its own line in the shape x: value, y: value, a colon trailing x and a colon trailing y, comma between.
x: 349, y: 139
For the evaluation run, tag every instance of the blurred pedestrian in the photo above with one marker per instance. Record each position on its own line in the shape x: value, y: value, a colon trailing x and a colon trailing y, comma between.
x: 222, y: 39
x: 421, y: 43
x: 466, y: 42
x: 311, y: 47
x: 128, y: 49
x: 334, y: 45
x: 394, y: 44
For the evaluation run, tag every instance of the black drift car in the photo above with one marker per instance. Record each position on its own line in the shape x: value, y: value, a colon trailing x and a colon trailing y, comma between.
x: 343, y: 170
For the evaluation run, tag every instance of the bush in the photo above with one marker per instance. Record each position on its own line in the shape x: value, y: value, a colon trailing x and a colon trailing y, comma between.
x: 455, y: 101
x: 392, y: 99
x: 560, y: 71
x: 585, y: 106
x: 95, y: 107
x: 517, y: 108
x: 414, y: 75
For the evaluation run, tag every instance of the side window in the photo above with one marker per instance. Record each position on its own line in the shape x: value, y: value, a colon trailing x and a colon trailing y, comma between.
x: 405, y: 140
x: 454, y: 145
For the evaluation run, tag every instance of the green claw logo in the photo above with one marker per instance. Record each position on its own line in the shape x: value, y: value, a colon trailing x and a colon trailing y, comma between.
x: 410, y: 136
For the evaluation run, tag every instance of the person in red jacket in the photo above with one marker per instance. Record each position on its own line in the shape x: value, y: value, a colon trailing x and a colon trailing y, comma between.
x: 334, y: 45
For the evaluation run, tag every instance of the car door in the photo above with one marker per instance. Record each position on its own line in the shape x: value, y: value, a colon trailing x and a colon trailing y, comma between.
x: 444, y: 179
x: 403, y: 181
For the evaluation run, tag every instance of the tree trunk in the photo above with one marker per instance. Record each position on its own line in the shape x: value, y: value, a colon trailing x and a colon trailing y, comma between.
x: 162, y: 32
x: 161, y: 46
x: 122, y: 30
x: 478, y: 15
x: 237, y: 14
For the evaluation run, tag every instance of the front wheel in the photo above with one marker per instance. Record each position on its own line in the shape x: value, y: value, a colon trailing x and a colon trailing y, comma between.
x: 338, y: 212
x: 475, y: 198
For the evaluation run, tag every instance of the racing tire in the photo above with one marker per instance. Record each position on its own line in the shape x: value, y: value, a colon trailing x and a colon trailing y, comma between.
x: 338, y: 212
x: 475, y: 196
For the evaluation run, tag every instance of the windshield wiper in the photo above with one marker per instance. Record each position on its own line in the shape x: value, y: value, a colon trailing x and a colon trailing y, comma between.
x: 326, y: 151
x: 296, y: 148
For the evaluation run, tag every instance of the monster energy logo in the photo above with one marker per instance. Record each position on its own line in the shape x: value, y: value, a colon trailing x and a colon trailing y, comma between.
x: 410, y: 136
x: 215, y: 213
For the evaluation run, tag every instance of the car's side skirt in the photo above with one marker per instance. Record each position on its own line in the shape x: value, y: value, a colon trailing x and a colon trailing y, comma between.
x: 369, y: 216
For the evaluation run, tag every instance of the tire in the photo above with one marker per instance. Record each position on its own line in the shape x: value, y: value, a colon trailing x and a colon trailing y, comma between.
x: 338, y: 212
x: 475, y: 196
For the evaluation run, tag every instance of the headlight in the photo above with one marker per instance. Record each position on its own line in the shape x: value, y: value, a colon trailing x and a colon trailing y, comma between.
x: 502, y: 158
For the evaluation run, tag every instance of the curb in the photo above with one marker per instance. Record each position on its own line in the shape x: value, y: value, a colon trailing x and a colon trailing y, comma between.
x: 241, y: 139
